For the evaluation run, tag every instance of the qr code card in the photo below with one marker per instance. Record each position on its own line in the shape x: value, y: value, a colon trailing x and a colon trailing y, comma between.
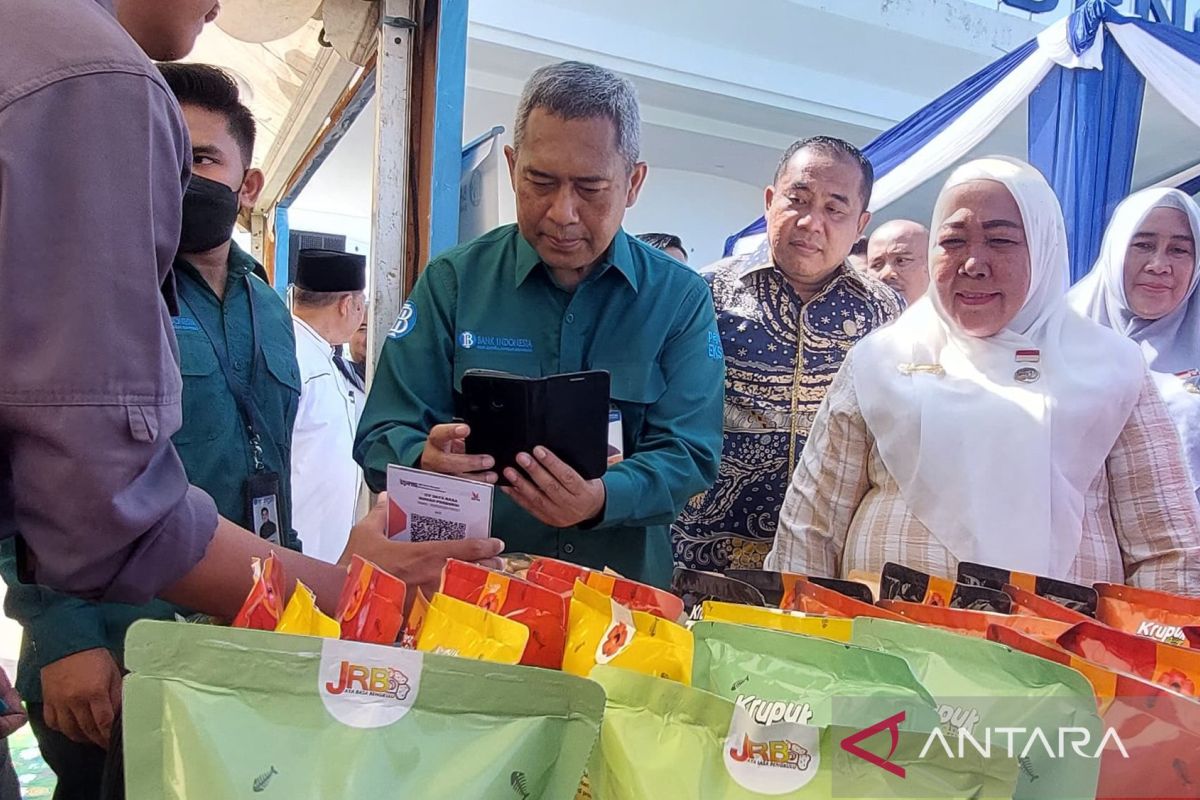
x: 427, y: 507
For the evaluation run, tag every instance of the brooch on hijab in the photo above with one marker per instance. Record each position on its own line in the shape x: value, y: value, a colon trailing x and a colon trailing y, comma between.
x: 1189, y: 378
x: 928, y: 369
x: 1028, y: 374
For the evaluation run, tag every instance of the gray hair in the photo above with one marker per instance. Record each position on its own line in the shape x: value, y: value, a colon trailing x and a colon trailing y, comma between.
x: 575, y: 90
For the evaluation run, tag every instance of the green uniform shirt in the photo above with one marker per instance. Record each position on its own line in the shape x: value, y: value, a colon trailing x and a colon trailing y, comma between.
x: 212, y: 443
x: 640, y: 315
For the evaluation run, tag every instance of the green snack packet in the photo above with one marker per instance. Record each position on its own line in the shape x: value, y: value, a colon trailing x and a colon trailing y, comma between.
x: 778, y: 676
x: 232, y: 713
x: 1011, y: 703
x: 661, y: 739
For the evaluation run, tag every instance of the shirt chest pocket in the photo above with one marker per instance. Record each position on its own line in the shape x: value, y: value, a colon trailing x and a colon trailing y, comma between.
x: 207, y: 402
x: 635, y: 386
x: 283, y: 376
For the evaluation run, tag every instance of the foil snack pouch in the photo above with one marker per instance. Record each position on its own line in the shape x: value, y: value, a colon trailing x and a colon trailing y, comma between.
x: 452, y: 627
x: 543, y: 611
x: 263, y: 715
x: 371, y: 607
x: 1156, y: 615
x: 602, y: 631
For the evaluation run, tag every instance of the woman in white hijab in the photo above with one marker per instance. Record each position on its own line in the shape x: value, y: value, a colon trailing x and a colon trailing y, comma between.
x: 991, y: 423
x: 1144, y: 286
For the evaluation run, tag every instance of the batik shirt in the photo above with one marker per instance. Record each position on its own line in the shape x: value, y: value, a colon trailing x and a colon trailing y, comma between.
x: 780, y: 356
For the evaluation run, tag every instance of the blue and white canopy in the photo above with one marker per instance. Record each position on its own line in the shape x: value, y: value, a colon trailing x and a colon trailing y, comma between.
x: 1084, y: 80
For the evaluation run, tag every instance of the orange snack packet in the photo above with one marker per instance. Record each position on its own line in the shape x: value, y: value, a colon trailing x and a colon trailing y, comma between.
x: 540, y: 609
x: 1029, y: 604
x: 264, y: 605
x: 1145, y: 612
x: 813, y: 598
x: 371, y: 606
x: 560, y: 577
x: 416, y: 620
x: 1176, y: 668
x: 974, y: 623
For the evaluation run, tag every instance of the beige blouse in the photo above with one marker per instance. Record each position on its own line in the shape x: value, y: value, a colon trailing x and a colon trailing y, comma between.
x: 843, y: 510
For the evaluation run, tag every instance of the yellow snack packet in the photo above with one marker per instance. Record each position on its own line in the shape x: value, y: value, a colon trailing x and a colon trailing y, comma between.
x: 457, y: 628
x: 837, y: 629
x: 302, y: 617
x: 602, y: 631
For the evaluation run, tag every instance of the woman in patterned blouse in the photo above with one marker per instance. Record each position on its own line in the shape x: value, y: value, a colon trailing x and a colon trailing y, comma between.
x: 992, y: 423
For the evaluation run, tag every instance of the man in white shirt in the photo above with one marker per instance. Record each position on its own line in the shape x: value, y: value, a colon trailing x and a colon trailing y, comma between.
x: 328, y: 305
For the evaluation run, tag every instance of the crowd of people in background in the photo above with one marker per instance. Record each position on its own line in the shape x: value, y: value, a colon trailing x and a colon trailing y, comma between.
x: 826, y: 403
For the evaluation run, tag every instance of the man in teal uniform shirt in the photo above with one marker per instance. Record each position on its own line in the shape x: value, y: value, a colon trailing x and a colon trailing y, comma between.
x: 563, y: 290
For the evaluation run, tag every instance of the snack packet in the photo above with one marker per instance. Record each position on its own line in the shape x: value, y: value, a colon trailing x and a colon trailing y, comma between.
x: 1177, y: 668
x: 833, y: 628
x: 1072, y: 595
x: 1033, y: 605
x: 371, y: 607
x: 899, y: 582
x: 784, y: 676
x: 288, y: 717
x: 779, y: 588
x: 560, y: 576
x: 302, y: 617
x: 1152, y: 735
x: 541, y: 610
x: 264, y: 603
x: 452, y: 627
x: 415, y: 621
x: 694, y: 587
x: 974, y: 623
x: 662, y: 740
x: 1145, y: 612
x: 1192, y: 634
x: 602, y: 631
x: 813, y: 598
x: 984, y: 688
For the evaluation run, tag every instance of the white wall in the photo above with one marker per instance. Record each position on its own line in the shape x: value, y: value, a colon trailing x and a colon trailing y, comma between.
x: 700, y: 209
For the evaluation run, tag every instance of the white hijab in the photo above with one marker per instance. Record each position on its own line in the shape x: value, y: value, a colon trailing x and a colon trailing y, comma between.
x: 1170, y: 344
x: 997, y: 469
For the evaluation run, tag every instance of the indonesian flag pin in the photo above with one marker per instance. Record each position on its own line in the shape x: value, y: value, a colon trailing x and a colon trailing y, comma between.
x: 1028, y: 374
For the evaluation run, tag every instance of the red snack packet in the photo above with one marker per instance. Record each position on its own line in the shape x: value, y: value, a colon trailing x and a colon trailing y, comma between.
x: 371, y: 606
x: 538, y: 608
x: 1176, y: 668
x: 1158, y: 729
x: 813, y: 598
x: 974, y: 623
x: 560, y: 577
x: 1033, y: 605
x: 1145, y: 612
x: 264, y: 604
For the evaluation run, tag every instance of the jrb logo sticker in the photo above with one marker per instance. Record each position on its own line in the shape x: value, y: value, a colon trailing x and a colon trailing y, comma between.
x: 367, y: 686
x: 771, y: 759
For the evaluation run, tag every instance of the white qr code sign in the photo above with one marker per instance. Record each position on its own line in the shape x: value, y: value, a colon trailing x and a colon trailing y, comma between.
x: 427, y: 507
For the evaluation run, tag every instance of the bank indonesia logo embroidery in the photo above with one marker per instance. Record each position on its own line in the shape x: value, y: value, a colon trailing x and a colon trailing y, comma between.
x: 405, y: 322
x: 714, y: 346
x: 466, y: 339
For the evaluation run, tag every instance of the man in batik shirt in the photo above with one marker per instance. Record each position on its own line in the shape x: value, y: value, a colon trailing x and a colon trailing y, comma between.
x: 787, y: 314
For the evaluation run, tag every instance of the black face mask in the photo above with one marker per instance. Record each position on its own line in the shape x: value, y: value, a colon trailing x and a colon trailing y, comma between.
x: 210, y: 210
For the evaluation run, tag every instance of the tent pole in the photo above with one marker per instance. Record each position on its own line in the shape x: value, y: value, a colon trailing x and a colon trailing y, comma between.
x: 389, y: 211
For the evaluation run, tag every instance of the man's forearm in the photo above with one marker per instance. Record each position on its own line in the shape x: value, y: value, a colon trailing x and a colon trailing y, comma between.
x: 220, y: 582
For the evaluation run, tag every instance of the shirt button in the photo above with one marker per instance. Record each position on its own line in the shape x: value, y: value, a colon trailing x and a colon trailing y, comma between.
x: 568, y: 548
x: 570, y: 318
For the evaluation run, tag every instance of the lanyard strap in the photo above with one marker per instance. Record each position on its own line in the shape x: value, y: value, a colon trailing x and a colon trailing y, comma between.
x: 251, y: 416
